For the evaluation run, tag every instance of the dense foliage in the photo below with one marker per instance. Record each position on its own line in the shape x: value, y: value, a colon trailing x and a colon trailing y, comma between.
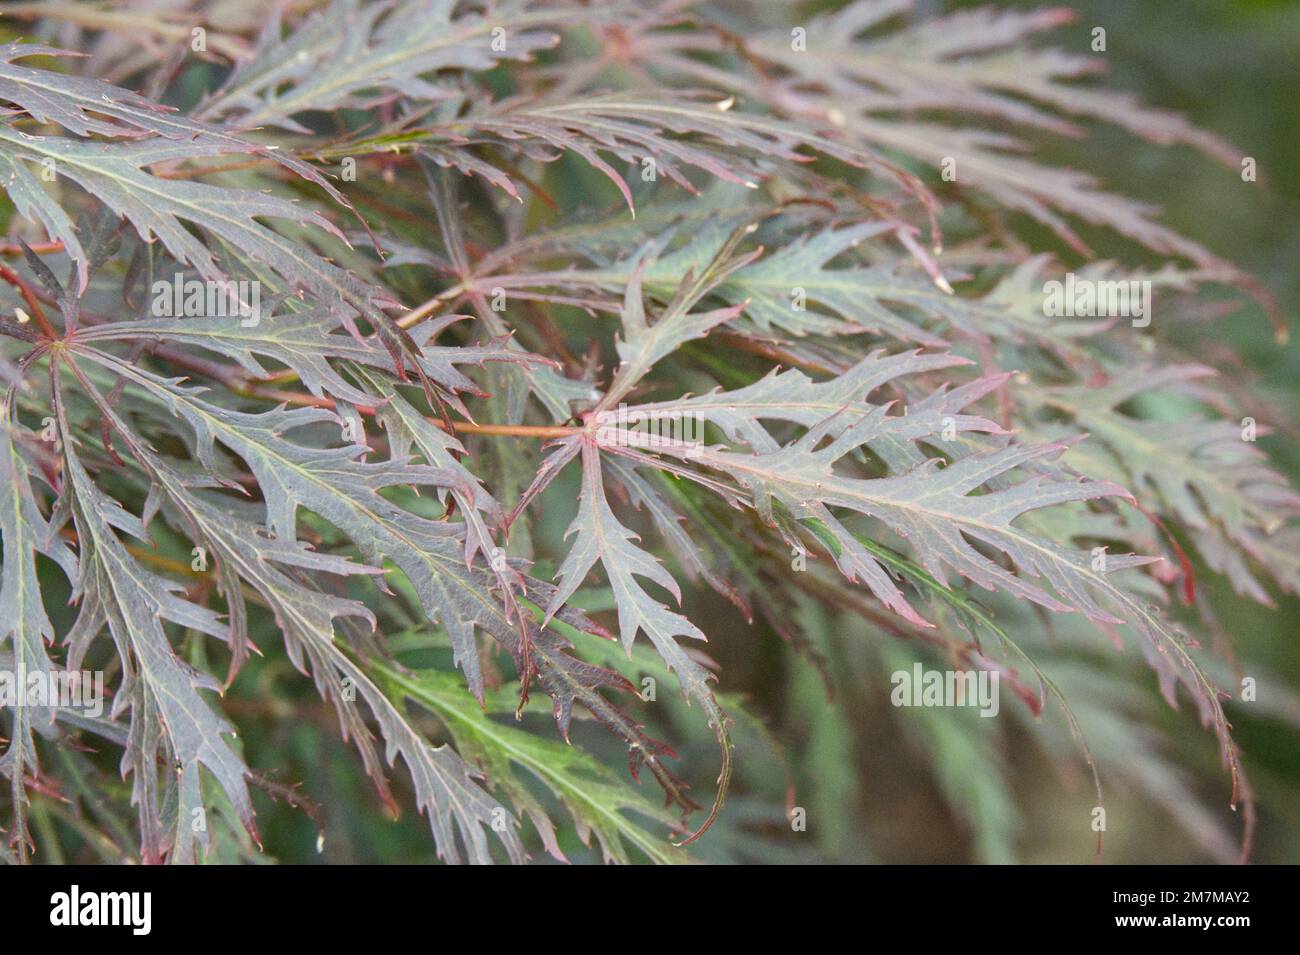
x: 540, y: 312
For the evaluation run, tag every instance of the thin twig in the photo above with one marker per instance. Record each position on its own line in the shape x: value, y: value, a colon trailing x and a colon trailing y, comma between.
x: 41, y: 248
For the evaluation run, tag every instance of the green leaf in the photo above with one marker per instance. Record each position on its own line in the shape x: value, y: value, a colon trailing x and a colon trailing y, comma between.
x: 594, y: 796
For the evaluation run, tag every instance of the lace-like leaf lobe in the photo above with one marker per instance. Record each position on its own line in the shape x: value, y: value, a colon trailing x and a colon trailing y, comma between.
x: 24, y: 623
x: 113, y: 588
